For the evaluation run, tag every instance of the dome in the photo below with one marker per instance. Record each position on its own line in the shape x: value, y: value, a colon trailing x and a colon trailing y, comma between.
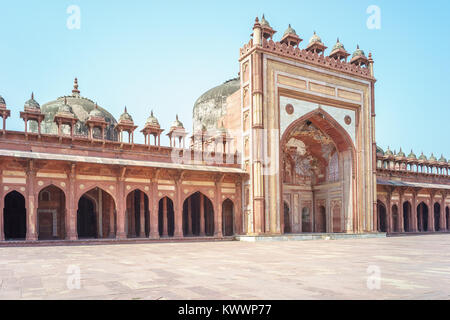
x: 96, y: 112
x: 315, y: 38
x: 289, y: 30
x: 432, y: 158
x: 423, y: 157
x: 31, y: 104
x: 264, y: 22
x: 412, y: 156
x: 152, y: 121
x: 388, y: 152
x: 338, y: 46
x: 442, y: 159
x: 358, y: 52
x: 401, y: 154
x: 2, y: 101
x: 212, y: 105
x: 177, y: 123
x: 65, y: 109
x: 380, y: 151
x: 81, y: 109
x: 126, y: 116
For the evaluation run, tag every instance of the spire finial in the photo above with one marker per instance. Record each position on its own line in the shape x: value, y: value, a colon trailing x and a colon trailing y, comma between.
x: 32, y: 95
x: 75, y: 87
x: 151, y: 113
x: 357, y: 46
x: 338, y: 40
x: 65, y: 100
x: 125, y: 109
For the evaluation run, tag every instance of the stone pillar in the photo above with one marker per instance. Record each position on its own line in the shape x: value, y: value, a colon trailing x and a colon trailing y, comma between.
x: 238, y: 229
x: 121, y: 210
x: 431, y: 215
x: 31, y: 205
x: 165, y: 219
x: 2, y: 206
x: 178, y: 211
x: 442, y: 221
x: 389, y: 213
x: 71, y: 208
x: 100, y: 213
x: 202, y: 215
x: 414, y: 220
x: 400, y: 214
x: 111, y: 218
x: 154, y: 211
x: 133, y: 214
x: 189, y: 216
x: 142, y: 215
x: 218, y: 211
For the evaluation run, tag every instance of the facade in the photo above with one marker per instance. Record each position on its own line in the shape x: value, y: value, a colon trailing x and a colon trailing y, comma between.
x: 287, y: 147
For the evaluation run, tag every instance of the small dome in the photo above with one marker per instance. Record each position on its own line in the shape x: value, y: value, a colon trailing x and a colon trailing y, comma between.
x: 2, y: 101
x: 65, y: 108
x: 32, y: 104
x: 264, y: 22
x: 388, y: 152
x: 315, y: 38
x: 338, y: 46
x: 289, y: 30
x: 358, y: 52
x: 177, y: 123
x: 442, y: 159
x: 432, y: 158
x: 125, y: 116
x: 380, y: 151
x: 401, y: 154
x: 423, y: 157
x: 152, y: 121
x: 412, y: 155
x: 96, y: 112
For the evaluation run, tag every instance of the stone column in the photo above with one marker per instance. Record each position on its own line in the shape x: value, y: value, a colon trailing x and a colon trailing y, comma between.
x: 154, y: 211
x: 111, y: 218
x: 165, y: 219
x: 142, y: 215
x: 389, y: 213
x: 71, y: 208
x: 189, y: 216
x: 178, y: 211
x: 218, y: 212
x: 100, y: 213
x: 202, y: 215
x: 442, y: 223
x: 431, y: 215
x: 400, y: 214
x: 133, y: 214
x: 414, y: 221
x: 121, y: 210
x: 31, y: 205
x: 238, y: 229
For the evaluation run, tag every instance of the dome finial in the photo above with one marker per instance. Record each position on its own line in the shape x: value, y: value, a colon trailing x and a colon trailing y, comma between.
x: 65, y: 100
x: 32, y: 95
x: 151, y: 113
x: 75, y: 90
x: 125, y: 109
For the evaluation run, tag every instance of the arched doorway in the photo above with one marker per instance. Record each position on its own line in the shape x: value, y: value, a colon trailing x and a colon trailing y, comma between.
x: 306, y: 220
x: 228, y: 218
x: 395, y: 219
x: 137, y: 222
x: 15, y: 216
x: 407, y: 216
x: 422, y: 217
x: 166, y: 218
x: 96, y: 215
x: 51, y: 213
x: 198, y: 216
x: 317, y: 151
x: 287, y: 219
x: 437, y: 217
x: 321, y: 220
x: 382, y: 217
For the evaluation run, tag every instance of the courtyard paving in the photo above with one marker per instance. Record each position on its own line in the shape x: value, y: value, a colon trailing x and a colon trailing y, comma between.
x: 414, y: 267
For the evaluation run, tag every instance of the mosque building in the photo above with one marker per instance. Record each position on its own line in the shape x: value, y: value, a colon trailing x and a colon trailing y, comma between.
x: 288, y: 147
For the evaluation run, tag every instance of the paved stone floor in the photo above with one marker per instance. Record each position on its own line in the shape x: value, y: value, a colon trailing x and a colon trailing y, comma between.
x: 414, y: 267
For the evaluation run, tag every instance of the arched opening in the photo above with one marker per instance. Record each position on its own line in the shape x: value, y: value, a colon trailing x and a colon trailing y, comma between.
x: 317, y: 157
x: 137, y: 222
x: 382, y: 218
x: 395, y: 219
x: 407, y: 216
x: 321, y: 220
x: 96, y: 215
x: 287, y: 219
x: 198, y: 216
x: 228, y: 218
x: 166, y: 218
x: 437, y: 217
x: 51, y: 213
x: 15, y: 216
x: 422, y: 217
x: 306, y: 220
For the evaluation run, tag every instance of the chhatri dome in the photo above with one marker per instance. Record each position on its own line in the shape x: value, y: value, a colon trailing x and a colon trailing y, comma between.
x: 152, y: 121
x: 80, y: 107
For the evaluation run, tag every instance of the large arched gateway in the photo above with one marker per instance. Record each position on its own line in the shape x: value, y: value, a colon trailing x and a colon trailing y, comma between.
x: 316, y: 163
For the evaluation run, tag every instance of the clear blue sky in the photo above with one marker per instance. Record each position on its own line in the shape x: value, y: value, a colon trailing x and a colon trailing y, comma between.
x: 163, y: 55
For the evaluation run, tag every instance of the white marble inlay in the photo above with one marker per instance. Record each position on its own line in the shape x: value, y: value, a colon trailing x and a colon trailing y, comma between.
x: 303, y: 107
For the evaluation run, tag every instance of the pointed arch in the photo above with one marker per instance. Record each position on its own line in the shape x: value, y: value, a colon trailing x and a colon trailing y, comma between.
x: 198, y: 215
x: 228, y: 217
x: 14, y: 216
x: 51, y: 213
